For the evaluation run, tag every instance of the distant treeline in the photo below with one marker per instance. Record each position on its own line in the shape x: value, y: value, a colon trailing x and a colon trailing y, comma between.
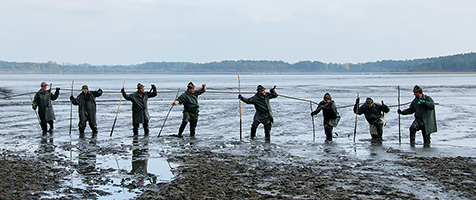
x: 455, y: 63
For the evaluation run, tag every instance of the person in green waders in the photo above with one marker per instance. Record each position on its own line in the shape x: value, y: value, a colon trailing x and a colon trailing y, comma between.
x: 263, y: 113
x: 42, y: 101
x: 425, y: 118
x: 140, y: 113
x: 189, y: 99
x: 86, y: 101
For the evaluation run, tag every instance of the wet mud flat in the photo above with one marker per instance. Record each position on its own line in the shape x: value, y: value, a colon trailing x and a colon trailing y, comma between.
x: 256, y: 170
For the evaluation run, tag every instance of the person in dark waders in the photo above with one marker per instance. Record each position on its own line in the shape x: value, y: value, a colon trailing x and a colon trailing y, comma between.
x: 263, y: 114
x: 140, y: 114
x: 46, y: 113
x: 373, y: 115
x: 331, y: 116
x: 425, y: 118
x: 189, y: 99
x: 87, y: 109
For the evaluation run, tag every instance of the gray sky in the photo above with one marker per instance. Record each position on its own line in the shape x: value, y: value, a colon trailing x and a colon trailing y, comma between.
x: 109, y: 32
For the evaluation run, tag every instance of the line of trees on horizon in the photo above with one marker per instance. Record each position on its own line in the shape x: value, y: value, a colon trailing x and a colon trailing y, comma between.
x: 454, y: 63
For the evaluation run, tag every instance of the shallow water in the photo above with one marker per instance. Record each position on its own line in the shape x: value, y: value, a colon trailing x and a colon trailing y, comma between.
x: 219, y: 119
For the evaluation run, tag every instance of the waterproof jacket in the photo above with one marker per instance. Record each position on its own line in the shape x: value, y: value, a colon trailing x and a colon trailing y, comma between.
x: 329, y: 110
x: 373, y: 113
x: 41, y: 100
x: 87, y: 105
x: 263, y: 112
x: 140, y: 114
x: 424, y: 113
x: 190, y: 100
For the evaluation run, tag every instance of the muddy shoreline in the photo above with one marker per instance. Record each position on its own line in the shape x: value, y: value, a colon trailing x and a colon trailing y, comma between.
x: 256, y: 170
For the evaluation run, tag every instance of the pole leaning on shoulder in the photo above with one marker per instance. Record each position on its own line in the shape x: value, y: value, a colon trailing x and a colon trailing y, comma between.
x: 176, y: 96
x: 356, y: 114
x: 115, y: 119
x: 37, y: 117
x: 71, y: 110
x: 239, y: 101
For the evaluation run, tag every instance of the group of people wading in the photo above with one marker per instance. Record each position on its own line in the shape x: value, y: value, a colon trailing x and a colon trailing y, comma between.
x: 422, y: 106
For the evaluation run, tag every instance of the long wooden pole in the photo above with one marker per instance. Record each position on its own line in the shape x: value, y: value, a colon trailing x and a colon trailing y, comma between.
x: 239, y: 103
x: 399, y: 131
x: 37, y: 117
x: 71, y: 110
x: 313, y: 126
x: 168, y: 113
x: 49, y: 97
x: 356, y: 114
x: 115, y: 119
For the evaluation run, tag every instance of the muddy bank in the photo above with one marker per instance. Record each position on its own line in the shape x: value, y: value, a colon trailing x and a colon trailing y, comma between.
x: 264, y: 172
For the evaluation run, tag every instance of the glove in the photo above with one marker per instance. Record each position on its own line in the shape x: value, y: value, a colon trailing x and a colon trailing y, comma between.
x: 399, y: 111
x: 421, y: 101
x: 357, y: 101
x: 273, y: 90
x: 33, y: 107
x: 153, y: 87
x: 122, y: 90
x: 57, y: 89
x: 71, y: 98
x: 313, y: 113
x: 239, y: 96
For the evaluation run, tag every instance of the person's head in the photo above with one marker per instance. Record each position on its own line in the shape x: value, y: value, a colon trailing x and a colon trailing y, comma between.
x: 140, y: 88
x: 327, y: 98
x: 261, y: 90
x: 84, y: 89
x: 417, y: 91
x: 369, y: 102
x: 43, y: 86
x: 191, y: 87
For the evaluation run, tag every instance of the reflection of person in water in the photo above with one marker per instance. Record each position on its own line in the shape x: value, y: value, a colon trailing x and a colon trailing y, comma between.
x: 140, y: 155
x: 46, y: 145
x: 87, y: 155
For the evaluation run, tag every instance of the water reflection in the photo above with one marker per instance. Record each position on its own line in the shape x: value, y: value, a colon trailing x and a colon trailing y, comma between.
x: 46, y: 145
x: 140, y: 156
x: 87, y: 149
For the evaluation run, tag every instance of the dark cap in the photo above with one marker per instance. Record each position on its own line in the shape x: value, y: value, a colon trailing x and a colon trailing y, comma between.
x: 84, y: 88
x: 139, y: 86
x: 327, y: 96
x: 190, y: 85
x: 369, y: 101
x: 417, y: 88
x: 260, y: 88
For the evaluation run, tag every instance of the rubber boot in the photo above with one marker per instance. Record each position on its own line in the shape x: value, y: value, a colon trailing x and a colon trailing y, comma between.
x: 44, y: 128
x: 51, y: 126
x: 193, y: 125
x: 81, y: 133
x: 146, y: 128
x: 426, y: 139
x: 267, y: 132
x: 374, y: 137
x: 328, y: 131
x: 413, y: 131
x: 380, y: 133
x: 94, y: 129
x: 253, y: 132
x: 135, y: 131
x: 181, y: 129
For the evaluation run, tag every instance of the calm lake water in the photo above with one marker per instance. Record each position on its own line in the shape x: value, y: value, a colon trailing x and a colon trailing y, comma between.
x: 219, y: 121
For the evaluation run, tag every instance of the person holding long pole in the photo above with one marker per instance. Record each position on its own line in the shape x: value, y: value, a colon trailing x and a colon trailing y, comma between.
x: 331, y: 116
x: 87, y: 109
x: 189, y: 99
x: 263, y: 113
x: 140, y: 113
x: 42, y: 101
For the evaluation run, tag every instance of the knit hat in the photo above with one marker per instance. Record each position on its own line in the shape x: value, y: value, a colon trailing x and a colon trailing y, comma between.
x: 43, y: 84
x: 191, y: 85
x: 327, y: 96
x: 139, y: 86
x: 260, y: 88
x: 369, y: 101
x: 417, y: 88
x: 84, y: 88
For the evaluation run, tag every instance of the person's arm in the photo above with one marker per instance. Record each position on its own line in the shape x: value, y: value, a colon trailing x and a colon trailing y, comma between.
x: 55, y: 96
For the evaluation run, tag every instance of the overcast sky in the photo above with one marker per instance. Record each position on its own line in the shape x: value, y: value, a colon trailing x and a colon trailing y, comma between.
x: 110, y: 32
